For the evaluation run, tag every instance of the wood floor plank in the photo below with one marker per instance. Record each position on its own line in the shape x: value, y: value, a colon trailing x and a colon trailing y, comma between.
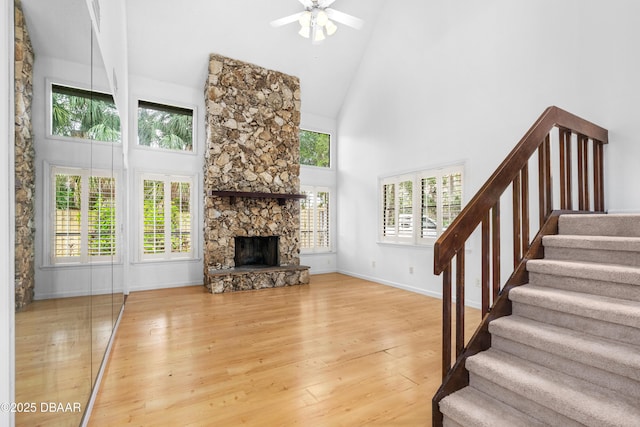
x: 339, y: 351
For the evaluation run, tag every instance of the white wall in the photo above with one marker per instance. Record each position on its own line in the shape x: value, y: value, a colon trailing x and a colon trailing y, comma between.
x: 448, y: 81
x: 163, y: 274
x: 64, y: 281
x: 7, y: 223
x: 322, y: 262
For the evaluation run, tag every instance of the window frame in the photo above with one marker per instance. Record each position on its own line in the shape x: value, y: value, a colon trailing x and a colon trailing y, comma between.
x: 167, y: 255
x: 415, y: 237
x: 84, y: 258
x: 169, y: 105
x: 315, y: 248
x: 50, y: 83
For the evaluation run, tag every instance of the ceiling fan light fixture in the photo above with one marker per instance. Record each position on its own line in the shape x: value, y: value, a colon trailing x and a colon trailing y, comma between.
x: 322, y: 18
x: 330, y: 28
x: 305, y: 32
x: 305, y: 19
x: 319, y: 35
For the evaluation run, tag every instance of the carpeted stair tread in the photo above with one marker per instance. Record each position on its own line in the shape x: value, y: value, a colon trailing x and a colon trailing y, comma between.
x: 612, y: 356
x: 606, y: 243
x: 600, y: 225
x: 573, y: 398
x: 586, y: 270
x: 471, y: 407
x: 600, y: 249
x: 619, y: 311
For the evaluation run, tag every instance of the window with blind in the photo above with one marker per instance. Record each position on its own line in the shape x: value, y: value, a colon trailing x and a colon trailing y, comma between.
x: 167, y: 217
x: 165, y: 126
x: 315, y: 231
x: 83, y: 215
x: 416, y: 208
x: 83, y: 114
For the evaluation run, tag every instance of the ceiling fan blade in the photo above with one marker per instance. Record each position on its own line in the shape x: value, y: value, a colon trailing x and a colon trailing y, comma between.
x: 344, y: 18
x: 306, y: 3
x: 325, y: 3
x: 286, y: 20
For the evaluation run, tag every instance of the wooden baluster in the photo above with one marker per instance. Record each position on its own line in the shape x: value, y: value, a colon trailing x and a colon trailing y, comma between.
x: 568, y: 193
x: 585, y: 154
x: 446, y: 320
x: 516, y: 221
x: 495, y: 249
x: 485, y: 265
x: 563, y: 165
x: 524, y: 173
x: 598, y: 174
x: 459, y: 302
x: 548, y: 191
x: 542, y: 198
x: 581, y: 173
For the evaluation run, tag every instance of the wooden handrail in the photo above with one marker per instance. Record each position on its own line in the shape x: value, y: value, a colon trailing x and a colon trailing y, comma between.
x: 484, y: 211
x: 461, y: 228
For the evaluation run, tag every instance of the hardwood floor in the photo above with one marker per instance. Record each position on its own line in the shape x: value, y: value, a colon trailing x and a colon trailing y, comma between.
x: 60, y: 344
x: 338, y: 352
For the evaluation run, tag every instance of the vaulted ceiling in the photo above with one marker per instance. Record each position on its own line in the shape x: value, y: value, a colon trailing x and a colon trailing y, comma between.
x: 171, y: 40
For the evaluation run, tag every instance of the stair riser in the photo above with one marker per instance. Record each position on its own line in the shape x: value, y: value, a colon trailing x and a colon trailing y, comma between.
x: 520, y: 402
x: 631, y: 259
x: 604, y: 378
x: 600, y: 225
x: 591, y: 326
x: 587, y: 286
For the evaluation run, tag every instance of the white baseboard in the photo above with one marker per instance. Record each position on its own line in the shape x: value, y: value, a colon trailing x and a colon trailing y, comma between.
x: 438, y: 295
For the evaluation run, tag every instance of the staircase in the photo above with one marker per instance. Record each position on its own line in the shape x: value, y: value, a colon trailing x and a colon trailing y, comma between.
x: 569, y: 354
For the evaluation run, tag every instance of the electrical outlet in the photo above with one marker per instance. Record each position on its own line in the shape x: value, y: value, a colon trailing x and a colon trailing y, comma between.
x: 477, y: 283
x: 410, y: 270
x: 373, y: 264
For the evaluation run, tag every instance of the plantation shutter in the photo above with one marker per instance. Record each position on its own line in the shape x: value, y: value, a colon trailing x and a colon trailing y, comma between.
x: 322, y: 220
x: 154, y: 214
x: 102, y: 216
x: 451, y: 198
x: 67, y: 225
x: 306, y: 219
x: 389, y: 209
x: 180, y: 217
x: 429, y: 207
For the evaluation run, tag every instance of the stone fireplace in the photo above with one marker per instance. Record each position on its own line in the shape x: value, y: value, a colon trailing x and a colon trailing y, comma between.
x: 251, y: 178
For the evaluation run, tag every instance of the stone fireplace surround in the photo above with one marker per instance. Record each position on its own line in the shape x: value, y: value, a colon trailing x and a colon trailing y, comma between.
x: 251, y: 174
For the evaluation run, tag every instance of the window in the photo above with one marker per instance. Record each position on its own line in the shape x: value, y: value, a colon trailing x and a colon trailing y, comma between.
x: 83, y: 114
x: 83, y: 215
x: 165, y: 126
x: 315, y: 220
x: 167, y: 213
x: 314, y: 148
x: 418, y: 207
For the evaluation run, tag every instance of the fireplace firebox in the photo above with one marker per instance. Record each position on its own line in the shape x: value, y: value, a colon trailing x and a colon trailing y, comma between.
x: 256, y: 251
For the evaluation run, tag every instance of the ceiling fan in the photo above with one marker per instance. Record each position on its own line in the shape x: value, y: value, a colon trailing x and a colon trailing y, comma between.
x: 316, y: 21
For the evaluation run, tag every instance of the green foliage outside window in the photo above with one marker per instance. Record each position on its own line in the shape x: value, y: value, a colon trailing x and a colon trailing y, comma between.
x: 163, y: 126
x: 83, y: 114
x: 314, y: 148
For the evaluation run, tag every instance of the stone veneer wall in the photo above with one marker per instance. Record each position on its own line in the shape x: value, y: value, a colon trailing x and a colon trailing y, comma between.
x: 253, y: 117
x: 24, y: 163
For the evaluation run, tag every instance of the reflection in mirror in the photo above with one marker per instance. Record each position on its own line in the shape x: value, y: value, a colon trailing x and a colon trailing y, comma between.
x: 68, y: 270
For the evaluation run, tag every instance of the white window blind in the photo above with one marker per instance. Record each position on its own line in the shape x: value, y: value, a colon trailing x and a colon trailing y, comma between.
x: 83, y: 212
x: 167, y: 225
x: 315, y: 222
x: 416, y: 208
